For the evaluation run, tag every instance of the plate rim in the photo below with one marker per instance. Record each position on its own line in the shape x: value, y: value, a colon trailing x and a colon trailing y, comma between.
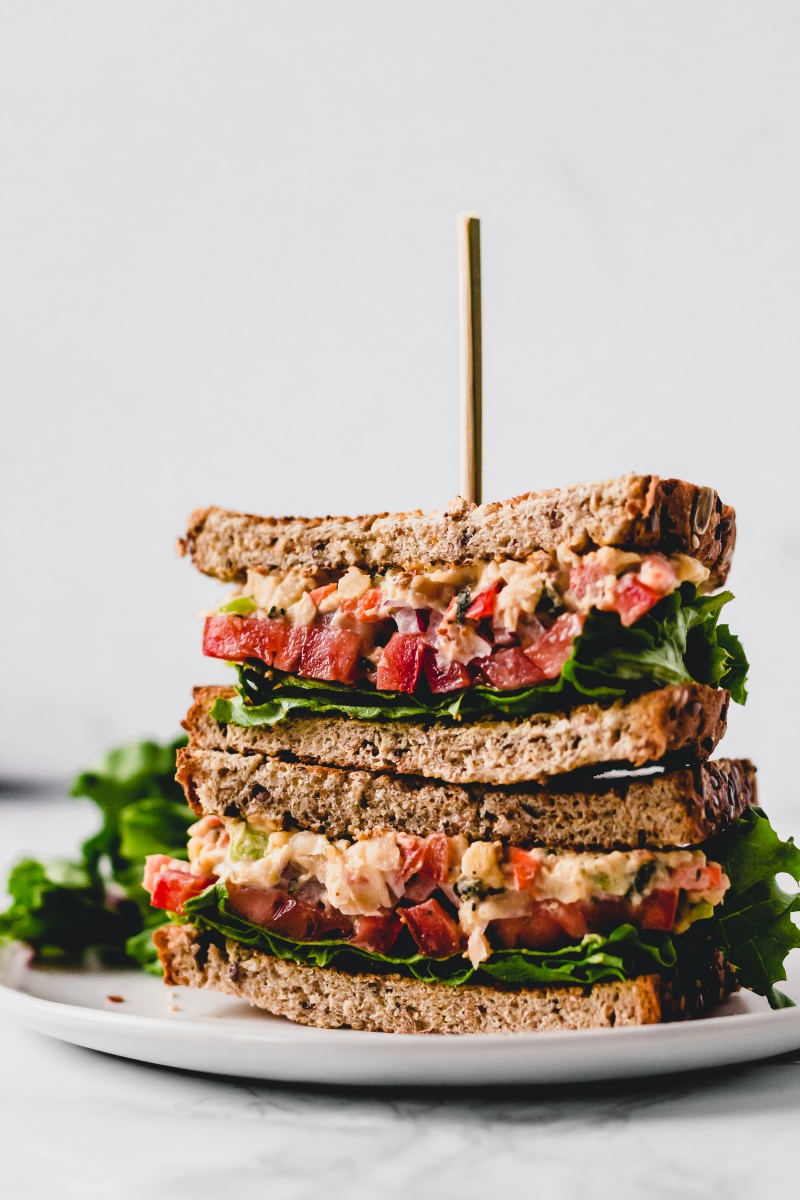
x: 15, y: 998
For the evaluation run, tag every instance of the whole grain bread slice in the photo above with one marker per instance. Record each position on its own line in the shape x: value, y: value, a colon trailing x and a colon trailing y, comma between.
x: 639, y: 512
x: 676, y: 808
x: 685, y: 720
x: 329, y: 998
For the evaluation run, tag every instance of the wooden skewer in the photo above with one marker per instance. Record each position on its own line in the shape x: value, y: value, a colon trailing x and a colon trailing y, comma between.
x: 469, y: 273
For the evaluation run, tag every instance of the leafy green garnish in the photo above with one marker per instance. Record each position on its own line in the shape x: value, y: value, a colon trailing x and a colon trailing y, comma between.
x: 98, y: 902
x: 624, y: 953
x: 755, y: 926
x: 678, y: 641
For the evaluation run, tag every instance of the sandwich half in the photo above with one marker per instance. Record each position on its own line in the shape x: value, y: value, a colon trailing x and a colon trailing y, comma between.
x: 595, y: 595
x: 396, y: 904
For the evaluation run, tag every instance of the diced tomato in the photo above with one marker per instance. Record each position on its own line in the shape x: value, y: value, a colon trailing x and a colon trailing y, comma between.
x: 419, y: 888
x: 449, y: 678
x: 540, y: 931
x: 237, y: 638
x: 172, y: 887
x: 369, y: 606
x: 329, y: 653
x: 437, y: 935
x: 436, y: 861
x: 287, y: 657
x: 289, y: 916
x: 412, y: 852
x: 524, y: 867
x: 377, y: 933
x: 319, y: 594
x: 657, y: 911
x: 604, y: 915
x: 428, y: 856
x: 401, y: 663
x: 366, y: 608
x: 153, y: 864
x: 587, y: 580
x: 632, y: 599
x: 483, y: 604
x: 553, y: 648
x: 697, y: 879
x: 509, y: 669
x: 572, y: 920
x: 549, y: 926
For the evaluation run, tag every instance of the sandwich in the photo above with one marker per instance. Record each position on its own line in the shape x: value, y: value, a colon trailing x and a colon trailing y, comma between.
x: 463, y: 782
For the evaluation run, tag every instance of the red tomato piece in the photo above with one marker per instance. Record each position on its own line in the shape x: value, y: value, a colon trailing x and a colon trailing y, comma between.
x: 697, y: 879
x: 237, y: 638
x: 287, y: 656
x: 327, y: 653
x: 549, y: 926
x: 509, y: 669
x: 289, y: 916
x: 377, y: 933
x: 587, y: 580
x: 553, y: 648
x: 412, y: 850
x: 436, y: 859
x: 632, y: 599
x: 483, y: 604
x: 571, y: 918
x: 172, y: 887
x: 319, y: 594
x: 401, y: 663
x: 428, y: 857
x: 601, y: 916
x: 452, y: 678
x: 369, y: 606
x: 524, y: 867
x: 152, y: 865
x: 419, y: 888
x: 366, y: 608
x: 437, y: 935
x: 657, y: 911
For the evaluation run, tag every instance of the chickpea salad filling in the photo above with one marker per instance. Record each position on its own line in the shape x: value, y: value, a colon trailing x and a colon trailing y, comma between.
x: 439, y: 896
x: 463, y: 640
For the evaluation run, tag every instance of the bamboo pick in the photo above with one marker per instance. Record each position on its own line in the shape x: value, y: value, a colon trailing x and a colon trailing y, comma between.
x: 469, y: 272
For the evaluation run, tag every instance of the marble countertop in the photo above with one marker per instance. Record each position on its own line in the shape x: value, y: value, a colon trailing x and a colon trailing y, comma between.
x: 77, y: 1124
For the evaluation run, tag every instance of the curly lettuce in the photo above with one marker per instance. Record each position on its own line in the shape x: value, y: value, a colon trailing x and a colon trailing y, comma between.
x: 97, y: 902
x: 754, y: 927
x: 679, y: 641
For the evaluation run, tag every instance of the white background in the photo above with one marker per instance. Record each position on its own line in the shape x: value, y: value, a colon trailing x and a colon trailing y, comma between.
x: 229, y: 276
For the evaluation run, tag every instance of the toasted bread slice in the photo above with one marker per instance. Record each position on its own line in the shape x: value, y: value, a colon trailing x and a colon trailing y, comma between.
x: 635, y: 512
x: 686, y: 720
x: 677, y: 808
x: 326, y: 997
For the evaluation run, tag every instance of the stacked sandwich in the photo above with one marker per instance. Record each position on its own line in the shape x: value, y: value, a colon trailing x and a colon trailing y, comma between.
x: 422, y: 808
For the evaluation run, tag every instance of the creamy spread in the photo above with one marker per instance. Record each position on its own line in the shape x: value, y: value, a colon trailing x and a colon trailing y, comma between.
x: 484, y: 881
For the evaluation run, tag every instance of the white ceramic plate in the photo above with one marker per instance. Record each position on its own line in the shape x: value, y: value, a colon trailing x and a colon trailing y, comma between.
x: 201, y: 1031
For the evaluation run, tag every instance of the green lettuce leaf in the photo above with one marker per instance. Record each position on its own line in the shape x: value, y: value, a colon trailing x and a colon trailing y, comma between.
x: 755, y: 929
x: 97, y: 902
x: 678, y: 641
x: 624, y: 953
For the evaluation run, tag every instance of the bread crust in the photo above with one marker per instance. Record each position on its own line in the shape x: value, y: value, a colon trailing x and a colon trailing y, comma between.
x: 639, y: 512
x: 677, y: 808
x: 686, y: 720
x: 329, y: 998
